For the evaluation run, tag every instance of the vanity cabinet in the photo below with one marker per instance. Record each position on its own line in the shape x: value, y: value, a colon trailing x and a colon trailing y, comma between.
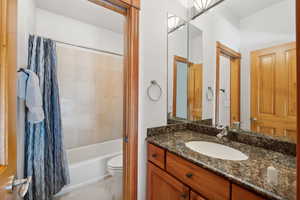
x: 194, y: 196
x: 162, y: 186
x: 171, y: 177
x: 156, y: 155
x: 239, y: 193
x: 206, y: 183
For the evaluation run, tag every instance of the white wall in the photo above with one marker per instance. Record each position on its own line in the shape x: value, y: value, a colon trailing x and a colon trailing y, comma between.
x: 25, y: 25
x: 269, y: 27
x: 72, y: 31
x: 196, y: 49
x: 216, y: 25
x: 153, y: 66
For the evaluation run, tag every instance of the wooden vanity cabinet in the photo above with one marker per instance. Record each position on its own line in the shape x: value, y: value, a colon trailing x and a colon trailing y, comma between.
x: 156, y: 155
x: 239, y: 193
x: 171, y: 177
x: 206, y: 183
x: 195, y: 196
x: 162, y: 186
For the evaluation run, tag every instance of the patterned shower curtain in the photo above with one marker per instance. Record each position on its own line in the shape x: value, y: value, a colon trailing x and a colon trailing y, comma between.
x: 45, y: 158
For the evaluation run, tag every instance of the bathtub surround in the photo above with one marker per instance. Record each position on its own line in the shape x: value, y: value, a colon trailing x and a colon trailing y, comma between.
x: 45, y: 158
x: 91, y: 85
x: 250, y: 174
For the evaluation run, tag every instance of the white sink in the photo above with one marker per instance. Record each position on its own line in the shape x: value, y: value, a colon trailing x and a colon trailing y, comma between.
x: 216, y: 150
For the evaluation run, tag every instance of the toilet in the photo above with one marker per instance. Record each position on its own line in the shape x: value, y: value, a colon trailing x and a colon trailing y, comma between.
x: 115, y: 169
x: 115, y: 166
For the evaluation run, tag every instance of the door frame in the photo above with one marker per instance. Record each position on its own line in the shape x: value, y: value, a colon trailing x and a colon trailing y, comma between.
x: 235, y: 58
x: 8, y: 100
x: 298, y: 93
x: 8, y: 38
x: 130, y: 9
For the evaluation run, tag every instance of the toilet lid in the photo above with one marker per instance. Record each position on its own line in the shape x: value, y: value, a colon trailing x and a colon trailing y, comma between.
x: 116, y: 162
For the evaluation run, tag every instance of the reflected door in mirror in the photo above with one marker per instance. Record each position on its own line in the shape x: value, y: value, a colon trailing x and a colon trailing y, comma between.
x: 180, y: 98
x: 273, y: 102
x: 195, y: 91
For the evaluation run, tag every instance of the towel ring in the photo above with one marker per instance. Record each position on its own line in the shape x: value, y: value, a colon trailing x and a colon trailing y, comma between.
x: 153, y: 84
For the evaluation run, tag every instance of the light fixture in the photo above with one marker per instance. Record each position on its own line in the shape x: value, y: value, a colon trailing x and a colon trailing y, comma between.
x: 173, y: 21
x: 201, y: 5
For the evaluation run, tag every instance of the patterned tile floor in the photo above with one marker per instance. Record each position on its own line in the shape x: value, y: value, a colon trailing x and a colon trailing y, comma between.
x: 102, y: 190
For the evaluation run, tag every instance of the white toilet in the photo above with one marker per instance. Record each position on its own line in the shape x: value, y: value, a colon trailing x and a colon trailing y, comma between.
x: 115, y: 169
x: 115, y: 166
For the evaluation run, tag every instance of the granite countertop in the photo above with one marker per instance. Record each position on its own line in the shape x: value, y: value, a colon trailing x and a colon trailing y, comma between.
x: 250, y: 174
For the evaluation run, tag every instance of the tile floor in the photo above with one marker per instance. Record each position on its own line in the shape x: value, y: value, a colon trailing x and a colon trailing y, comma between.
x: 102, y: 190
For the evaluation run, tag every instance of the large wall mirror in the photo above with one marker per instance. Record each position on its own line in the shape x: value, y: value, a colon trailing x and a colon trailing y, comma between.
x: 234, y: 65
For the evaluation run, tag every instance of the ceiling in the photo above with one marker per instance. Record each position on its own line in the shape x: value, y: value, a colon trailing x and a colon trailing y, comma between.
x: 245, y: 8
x: 85, y: 11
x: 240, y: 8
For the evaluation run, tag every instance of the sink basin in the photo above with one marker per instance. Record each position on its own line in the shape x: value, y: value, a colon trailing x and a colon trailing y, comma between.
x: 216, y: 150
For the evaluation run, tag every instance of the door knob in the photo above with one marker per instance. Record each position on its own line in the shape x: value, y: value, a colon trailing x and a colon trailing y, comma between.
x: 253, y: 119
x: 184, y: 195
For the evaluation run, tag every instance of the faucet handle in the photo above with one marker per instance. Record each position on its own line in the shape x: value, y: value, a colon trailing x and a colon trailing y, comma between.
x: 219, y: 127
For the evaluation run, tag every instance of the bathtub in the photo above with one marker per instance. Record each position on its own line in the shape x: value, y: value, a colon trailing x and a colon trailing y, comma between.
x: 88, y: 164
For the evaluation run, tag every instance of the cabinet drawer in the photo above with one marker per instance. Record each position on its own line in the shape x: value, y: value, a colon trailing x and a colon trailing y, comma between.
x: 206, y: 183
x: 240, y: 193
x: 156, y: 155
x: 194, y: 196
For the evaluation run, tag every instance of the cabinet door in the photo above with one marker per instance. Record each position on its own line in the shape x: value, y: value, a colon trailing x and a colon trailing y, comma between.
x: 195, y: 196
x: 161, y: 186
x: 239, y: 193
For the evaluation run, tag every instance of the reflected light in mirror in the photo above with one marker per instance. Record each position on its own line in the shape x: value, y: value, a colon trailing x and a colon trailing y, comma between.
x: 202, y: 4
x: 173, y: 21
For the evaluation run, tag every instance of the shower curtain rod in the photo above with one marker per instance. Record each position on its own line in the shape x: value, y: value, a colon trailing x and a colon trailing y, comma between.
x: 80, y: 46
x: 93, y: 49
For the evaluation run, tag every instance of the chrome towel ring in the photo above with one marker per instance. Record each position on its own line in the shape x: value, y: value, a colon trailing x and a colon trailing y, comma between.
x: 150, y: 89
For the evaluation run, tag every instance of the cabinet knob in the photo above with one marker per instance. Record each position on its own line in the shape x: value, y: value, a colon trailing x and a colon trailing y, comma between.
x: 189, y: 175
x: 184, y: 196
x: 154, y: 155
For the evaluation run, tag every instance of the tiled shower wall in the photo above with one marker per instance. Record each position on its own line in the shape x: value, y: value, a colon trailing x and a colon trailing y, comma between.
x: 91, y: 94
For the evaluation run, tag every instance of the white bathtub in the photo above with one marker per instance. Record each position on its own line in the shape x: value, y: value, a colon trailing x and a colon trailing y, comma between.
x: 88, y: 164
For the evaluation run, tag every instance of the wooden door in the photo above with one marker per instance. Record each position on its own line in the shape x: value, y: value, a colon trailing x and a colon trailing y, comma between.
x: 162, y: 186
x: 195, y: 86
x: 273, y: 91
x: 8, y: 14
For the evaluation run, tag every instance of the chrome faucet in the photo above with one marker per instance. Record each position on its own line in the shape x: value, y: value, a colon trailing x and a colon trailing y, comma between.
x: 224, y: 132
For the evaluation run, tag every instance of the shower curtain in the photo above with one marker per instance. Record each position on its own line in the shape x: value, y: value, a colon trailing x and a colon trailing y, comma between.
x: 45, y: 158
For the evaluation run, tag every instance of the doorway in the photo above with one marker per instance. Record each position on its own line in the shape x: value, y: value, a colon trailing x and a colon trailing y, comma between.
x: 227, y: 86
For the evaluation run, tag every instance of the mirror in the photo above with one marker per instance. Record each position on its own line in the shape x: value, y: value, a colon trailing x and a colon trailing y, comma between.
x: 239, y: 67
x: 185, y: 75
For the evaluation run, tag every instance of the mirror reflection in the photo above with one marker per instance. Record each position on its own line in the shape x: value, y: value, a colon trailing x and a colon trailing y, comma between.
x: 234, y: 65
